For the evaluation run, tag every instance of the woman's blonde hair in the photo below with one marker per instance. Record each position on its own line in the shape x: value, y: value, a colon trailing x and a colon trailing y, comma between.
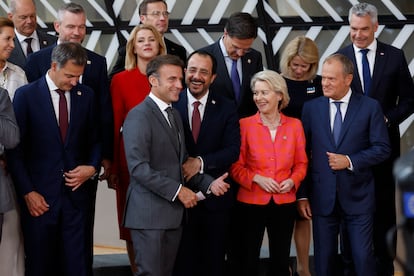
x: 276, y: 83
x: 306, y: 49
x: 131, y: 57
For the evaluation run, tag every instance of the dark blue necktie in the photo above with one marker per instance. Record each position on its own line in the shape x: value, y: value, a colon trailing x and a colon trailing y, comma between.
x: 366, y: 73
x: 235, y: 79
x: 337, y: 122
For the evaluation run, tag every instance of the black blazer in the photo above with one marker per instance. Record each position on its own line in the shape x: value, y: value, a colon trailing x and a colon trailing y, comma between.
x: 172, y: 49
x: 251, y: 64
x: 18, y: 57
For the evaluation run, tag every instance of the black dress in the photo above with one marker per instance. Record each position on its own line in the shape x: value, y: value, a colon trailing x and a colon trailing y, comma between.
x: 301, y: 92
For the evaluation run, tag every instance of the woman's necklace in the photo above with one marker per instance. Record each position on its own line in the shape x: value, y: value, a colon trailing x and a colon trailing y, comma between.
x: 3, y: 79
x: 271, y: 124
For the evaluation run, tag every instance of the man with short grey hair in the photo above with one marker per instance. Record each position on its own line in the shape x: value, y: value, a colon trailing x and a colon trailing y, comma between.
x: 381, y: 72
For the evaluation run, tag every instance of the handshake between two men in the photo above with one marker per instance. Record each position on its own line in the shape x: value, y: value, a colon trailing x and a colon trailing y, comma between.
x: 189, y: 198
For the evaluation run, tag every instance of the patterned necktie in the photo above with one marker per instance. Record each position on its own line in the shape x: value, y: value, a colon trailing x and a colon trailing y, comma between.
x: 196, y: 121
x: 29, y: 49
x: 366, y: 72
x: 337, y: 125
x: 235, y: 79
x: 63, y: 114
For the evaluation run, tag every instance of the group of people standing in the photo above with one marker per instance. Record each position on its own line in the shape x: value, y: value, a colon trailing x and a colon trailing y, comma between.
x: 205, y: 152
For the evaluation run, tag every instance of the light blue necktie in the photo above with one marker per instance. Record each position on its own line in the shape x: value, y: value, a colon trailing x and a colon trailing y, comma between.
x: 235, y: 79
x: 366, y: 72
x: 337, y: 122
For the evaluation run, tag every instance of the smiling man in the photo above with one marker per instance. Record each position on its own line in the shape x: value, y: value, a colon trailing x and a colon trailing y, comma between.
x: 212, y: 136
x: 381, y: 72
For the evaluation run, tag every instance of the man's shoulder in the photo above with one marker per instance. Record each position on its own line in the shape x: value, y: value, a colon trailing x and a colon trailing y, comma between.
x: 42, y: 53
x: 211, y: 48
x: 45, y: 39
x: 94, y: 56
x: 215, y: 98
x: 170, y: 43
x: 384, y: 47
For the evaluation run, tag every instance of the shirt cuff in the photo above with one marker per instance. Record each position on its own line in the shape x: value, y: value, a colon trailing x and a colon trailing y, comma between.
x: 178, y: 191
x: 351, y: 166
x: 202, y: 165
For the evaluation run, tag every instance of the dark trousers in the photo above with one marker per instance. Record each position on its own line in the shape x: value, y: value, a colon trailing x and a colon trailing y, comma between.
x: 278, y: 220
x: 359, y: 232
x: 203, y: 243
x: 384, y: 221
x: 55, y: 241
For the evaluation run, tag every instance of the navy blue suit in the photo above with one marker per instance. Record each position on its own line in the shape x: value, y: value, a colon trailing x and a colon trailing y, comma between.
x: 251, y: 64
x: 203, y: 242
x: 343, y: 196
x: 392, y: 86
x: 38, y: 164
x: 95, y: 76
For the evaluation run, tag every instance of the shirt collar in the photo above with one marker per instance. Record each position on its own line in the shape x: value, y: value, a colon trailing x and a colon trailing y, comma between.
x: 191, y: 98
x: 21, y: 37
x: 372, y: 47
x: 52, y: 86
x: 160, y: 103
x: 345, y: 99
x: 223, y: 48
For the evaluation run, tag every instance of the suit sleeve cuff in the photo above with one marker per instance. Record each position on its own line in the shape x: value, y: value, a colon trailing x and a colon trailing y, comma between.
x: 176, y: 193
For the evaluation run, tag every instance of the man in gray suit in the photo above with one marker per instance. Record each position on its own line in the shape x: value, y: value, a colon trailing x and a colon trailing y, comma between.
x: 11, y: 249
x: 28, y: 39
x: 155, y: 151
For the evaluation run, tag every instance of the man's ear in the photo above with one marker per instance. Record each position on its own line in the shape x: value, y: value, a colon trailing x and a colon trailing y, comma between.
x: 153, y: 81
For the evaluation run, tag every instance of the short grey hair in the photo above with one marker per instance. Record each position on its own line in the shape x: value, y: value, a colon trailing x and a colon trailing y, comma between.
x: 363, y: 9
x: 70, y: 7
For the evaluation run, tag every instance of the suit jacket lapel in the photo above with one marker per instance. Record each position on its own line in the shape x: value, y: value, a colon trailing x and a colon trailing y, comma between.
x: 161, y: 119
x: 222, y: 69
x: 353, y: 107
x: 357, y: 84
x: 324, y: 114
x: 47, y: 106
x: 379, y: 67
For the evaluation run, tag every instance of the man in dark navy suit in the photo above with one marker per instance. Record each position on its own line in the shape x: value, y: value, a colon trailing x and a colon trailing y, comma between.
x: 234, y: 49
x: 71, y: 26
x: 213, y: 144
x: 392, y: 86
x: 155, y: 13
x: 53, y: 165
x: 345, y: 137
x: 28, y: 39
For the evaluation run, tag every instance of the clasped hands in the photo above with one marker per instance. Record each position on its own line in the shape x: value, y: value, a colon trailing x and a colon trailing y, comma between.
x: 37, y: 204
x: 272, y: 186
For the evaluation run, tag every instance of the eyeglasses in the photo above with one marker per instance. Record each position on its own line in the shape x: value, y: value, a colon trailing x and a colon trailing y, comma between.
x: 158, y: 13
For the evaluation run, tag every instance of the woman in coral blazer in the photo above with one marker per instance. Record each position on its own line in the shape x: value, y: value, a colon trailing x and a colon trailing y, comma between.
x: 129, y: 88
x: 271, y: 165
